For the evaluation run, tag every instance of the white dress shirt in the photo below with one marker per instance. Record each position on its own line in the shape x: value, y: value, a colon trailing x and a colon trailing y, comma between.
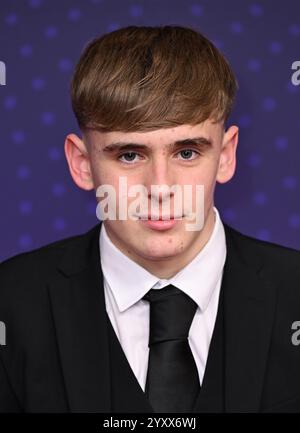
x: 126, y: 282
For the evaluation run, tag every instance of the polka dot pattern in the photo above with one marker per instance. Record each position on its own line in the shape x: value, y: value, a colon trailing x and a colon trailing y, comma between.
x: 43, y: 42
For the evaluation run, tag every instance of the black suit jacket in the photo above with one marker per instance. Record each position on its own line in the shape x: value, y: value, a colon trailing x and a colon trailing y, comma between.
x: 55, y: 358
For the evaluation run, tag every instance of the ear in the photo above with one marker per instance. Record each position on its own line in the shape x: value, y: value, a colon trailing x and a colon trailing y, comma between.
x: 227, y: 162
x: 79, y: 162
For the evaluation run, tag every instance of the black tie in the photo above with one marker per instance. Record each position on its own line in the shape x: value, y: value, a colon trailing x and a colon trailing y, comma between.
x: 172, y: 382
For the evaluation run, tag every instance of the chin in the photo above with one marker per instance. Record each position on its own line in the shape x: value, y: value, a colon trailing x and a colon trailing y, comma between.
x: 159, y: 257
x: 157, y: 250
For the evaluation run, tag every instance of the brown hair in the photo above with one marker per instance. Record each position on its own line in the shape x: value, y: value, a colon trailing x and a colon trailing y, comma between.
x: 145, y: 78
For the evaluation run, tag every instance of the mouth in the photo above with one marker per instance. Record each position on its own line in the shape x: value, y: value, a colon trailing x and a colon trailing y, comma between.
x: 160, y: 224
x: 160, y: 217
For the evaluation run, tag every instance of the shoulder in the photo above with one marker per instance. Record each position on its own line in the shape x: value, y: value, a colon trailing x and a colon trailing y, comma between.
x: 270, y: 253
x: 279, y: 268
x: 27, y: 261
x: 29, y: 269
x: 277, y: 264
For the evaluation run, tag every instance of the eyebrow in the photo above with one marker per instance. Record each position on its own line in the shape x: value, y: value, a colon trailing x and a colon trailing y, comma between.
x: 201, y: 142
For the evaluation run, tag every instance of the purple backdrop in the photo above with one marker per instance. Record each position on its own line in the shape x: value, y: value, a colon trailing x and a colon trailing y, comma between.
x: 41, y: 41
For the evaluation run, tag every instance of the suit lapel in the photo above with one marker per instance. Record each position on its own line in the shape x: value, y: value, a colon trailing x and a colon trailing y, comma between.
x: 78, y: 307
x: 249, y: 296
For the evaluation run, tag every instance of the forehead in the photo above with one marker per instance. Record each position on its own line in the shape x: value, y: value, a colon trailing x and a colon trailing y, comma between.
x: 160, y: 137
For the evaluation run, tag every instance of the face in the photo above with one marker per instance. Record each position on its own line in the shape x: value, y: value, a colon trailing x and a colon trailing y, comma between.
x: 184, y: 155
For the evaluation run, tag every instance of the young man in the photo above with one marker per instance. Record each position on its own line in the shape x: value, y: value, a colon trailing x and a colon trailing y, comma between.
x: 145, y: 315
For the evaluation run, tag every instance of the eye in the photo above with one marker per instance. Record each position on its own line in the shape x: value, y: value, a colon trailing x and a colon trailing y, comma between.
x: 130, y: 156
x: 186, y: 153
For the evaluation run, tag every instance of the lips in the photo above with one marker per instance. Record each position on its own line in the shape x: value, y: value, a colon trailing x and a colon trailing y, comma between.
x: 160, y: 218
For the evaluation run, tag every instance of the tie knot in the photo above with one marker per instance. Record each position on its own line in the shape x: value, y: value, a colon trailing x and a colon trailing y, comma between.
x: 171, y: 314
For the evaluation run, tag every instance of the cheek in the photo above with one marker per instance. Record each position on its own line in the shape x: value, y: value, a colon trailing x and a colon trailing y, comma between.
x: 101, y: 171
x: 206, y: 180
x: 208, y: 174
x: 102, y: 176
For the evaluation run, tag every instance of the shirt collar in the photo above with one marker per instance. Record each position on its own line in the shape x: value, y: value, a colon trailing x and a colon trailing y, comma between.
x: 129, y: 281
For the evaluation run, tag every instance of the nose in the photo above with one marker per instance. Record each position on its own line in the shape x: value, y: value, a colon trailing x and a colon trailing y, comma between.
x: 159, y: 174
